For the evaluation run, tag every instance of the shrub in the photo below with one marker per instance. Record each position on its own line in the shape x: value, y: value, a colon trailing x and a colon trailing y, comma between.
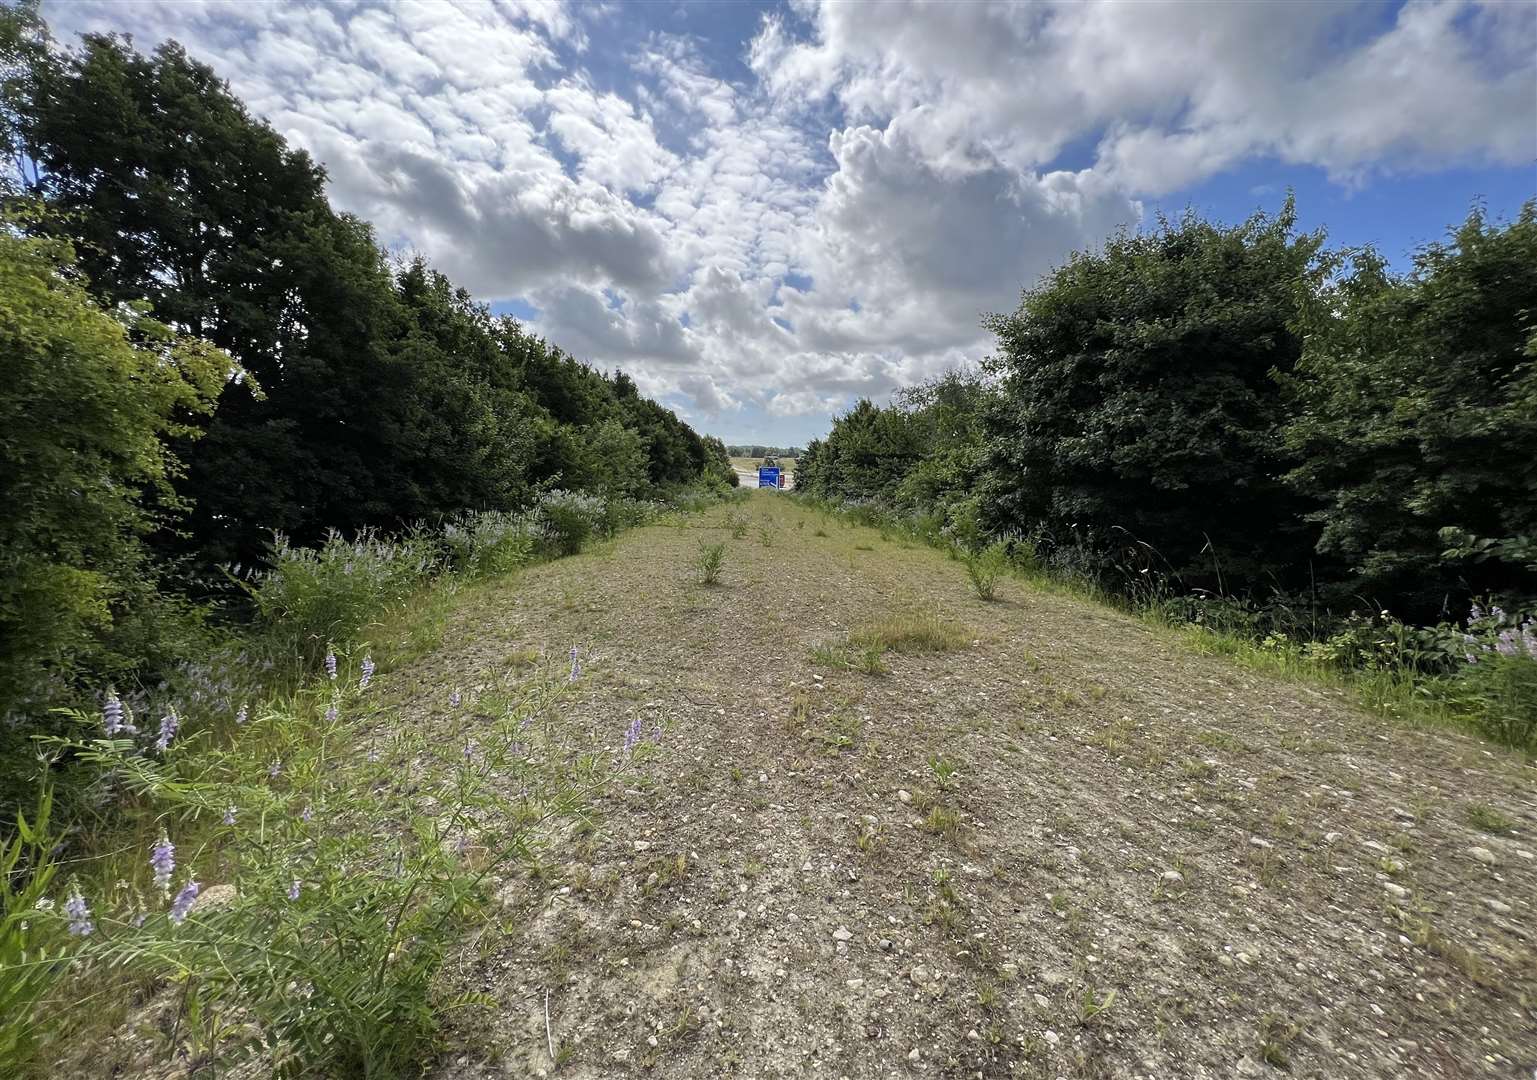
x: 315, y: 597
x: 985, y: 567
x: 489, y: 543
x: 567, y: 520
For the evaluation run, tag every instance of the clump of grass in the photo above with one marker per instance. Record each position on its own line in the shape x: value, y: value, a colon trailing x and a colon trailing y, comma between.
x: 1275, y: 1038
x: 1488, y: 819
x: 709, y: 560
x: 909, y: 634
x: 984, y: 568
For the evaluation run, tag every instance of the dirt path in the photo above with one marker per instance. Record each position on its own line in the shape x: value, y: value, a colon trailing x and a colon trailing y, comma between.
x: 795, y: 884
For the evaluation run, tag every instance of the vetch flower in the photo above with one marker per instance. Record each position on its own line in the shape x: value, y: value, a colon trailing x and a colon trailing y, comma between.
x: 576, y: 665
x: 330, y: 664
x: 632, y: 736
x: 243, y: 715
x: 80, y: 923
x: 331, y: 714
x: 368, y: 673
x: 112, y: 715
x: 293, y: 889
x: 469, y: 750
x: 275, y: 768
x: 229, y: 815
x: 183, y: 902
x: 162, y: 859
x: 454, y: 699
x: 307, y: 814
x: 168, y: 725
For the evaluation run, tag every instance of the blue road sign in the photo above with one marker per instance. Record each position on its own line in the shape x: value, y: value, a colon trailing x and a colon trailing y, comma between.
x: 768, y: 478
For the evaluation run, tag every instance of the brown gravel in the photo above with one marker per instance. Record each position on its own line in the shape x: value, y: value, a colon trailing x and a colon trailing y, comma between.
x: 1265, y: 878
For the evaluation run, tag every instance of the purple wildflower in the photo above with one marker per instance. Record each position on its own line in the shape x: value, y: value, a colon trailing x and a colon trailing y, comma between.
x: 168, y: 725
x: 183, y: 902
x: 330, y: 664
x: 1507, y: 644
x: 469, y: 750
x: 632, y: 736
x: 307, y: 814
x: 576, y: 665
x: 454, y: 699
x: 293, y: 889
x: 368, y: 673
x: 112, y: 715
x: 80, y: 923
x: 1475, y: 613
x: 331, y: 714
x: 229, y: 815
x: 275, y: 768
x: 162, y: 858
x: 243, y: 715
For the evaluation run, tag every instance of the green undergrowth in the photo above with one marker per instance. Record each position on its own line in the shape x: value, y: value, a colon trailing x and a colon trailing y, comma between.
x: 268, y: 863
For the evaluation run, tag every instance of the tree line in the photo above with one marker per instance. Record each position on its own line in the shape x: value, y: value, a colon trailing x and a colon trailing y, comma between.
x: 1239, y: 411
x: 200, y: 352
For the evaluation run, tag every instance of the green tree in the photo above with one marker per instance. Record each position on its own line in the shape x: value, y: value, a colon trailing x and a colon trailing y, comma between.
x: 1137, y: 402
x: 1416, y: 410
x: 87, y: 400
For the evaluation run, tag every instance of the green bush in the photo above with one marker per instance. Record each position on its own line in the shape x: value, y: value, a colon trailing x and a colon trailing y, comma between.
x: 709, y: 560
x: 985, y: 567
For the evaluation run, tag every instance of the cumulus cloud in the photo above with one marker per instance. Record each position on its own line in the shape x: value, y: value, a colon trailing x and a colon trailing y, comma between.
x: 832, y: 220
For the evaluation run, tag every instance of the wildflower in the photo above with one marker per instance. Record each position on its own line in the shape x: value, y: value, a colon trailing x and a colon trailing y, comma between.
x: 80, y: 923
x: 373, y: 753
x: 243, y: 715
x: 469, y: 750
x: 1507, y: 645
x: 229, y: 815
x: 275, y: 768
x: 183, y: 902
x: 1475, y: 613
x: 331, y: 714
x: 307, y: 814
x: 368, y: 673
x: 330, y: 664
x: 162, y: 859
x: 454, y: 699
x: 293, y: 889
x: 576, y: 665
x: 168, y: 725
x: 112, y: 715
x: 632, y: 736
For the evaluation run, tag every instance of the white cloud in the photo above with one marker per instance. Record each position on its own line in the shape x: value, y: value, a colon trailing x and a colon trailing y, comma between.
x: 834, y: 224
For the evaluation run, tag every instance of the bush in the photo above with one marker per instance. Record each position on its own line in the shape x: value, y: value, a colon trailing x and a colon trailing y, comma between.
x: 567, y: 520
x: 313, y: 598
x: 489, y: 543
x: 985, y: 567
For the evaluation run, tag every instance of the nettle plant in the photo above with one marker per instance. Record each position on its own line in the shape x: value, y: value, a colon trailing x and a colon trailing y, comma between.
x: 328, y: 870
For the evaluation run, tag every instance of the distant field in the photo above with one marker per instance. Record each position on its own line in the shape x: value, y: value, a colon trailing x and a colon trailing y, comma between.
x: 788, y: 464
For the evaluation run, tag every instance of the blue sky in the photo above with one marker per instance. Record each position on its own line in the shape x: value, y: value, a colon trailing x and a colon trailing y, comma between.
x: 766, y: 211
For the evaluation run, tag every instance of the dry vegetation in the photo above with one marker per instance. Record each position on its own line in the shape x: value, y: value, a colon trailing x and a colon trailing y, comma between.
x: 889, y: 829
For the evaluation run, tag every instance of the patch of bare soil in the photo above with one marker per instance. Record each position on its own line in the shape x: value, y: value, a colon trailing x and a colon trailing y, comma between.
x: 1070, y: 847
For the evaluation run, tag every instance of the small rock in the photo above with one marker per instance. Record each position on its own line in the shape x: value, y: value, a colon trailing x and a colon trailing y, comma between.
x: 1398, y: 892
x: 807, y: 868
x: 1051, y: 1037
x: 1173, y: 877
x: 918, y: 975
x: 651, y: 1040
x: 854, y: 984
x: 1372, y: 845
x: 1483, y: 855
x: 973, y: 1036
x: 904, y: 796
x: 1042, y: 1000
x: 885, y: 944
x: 842, y: 934
x: 913, y: 1055
x: 215, y: 896
x: 1331, y: 837
x: 1260, y: 843
x: 1499, y: 907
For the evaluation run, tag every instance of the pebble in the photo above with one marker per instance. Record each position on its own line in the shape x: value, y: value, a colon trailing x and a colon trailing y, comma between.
x: 1331, y: 837
x: 913, y: 1055
x: 885, y: 944
x: 1260, y: 843
x: 1372, y: 845
x: 1397, y: 891
x: 1051, y: 1037
x: 918, y: 975
x: 1499, y: 907
x: 842, y: 934
x: 904, y: 796
x: 1173, y: 877
x: 1043, y: 1001
x: 1483, y: 855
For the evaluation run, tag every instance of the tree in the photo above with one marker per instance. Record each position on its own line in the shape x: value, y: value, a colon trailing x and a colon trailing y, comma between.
x: 1416, y: 411
x: 1136, y: 400
x: 86, y: 403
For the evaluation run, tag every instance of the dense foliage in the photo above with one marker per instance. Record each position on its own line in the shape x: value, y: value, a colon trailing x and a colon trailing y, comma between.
x: 1235, y: 426
x: 201, y: 353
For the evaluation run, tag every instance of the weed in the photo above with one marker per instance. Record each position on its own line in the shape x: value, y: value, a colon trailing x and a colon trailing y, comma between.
x: 984, y: 568
x: 909, y: 634
x: 1093, y: 1005
x: 1488, y: 819
x: 709, y: 560
x: 944, y: 771
x: 1275, y: 1038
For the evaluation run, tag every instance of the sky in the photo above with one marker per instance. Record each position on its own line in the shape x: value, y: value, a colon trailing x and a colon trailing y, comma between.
x: 764, y: 212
